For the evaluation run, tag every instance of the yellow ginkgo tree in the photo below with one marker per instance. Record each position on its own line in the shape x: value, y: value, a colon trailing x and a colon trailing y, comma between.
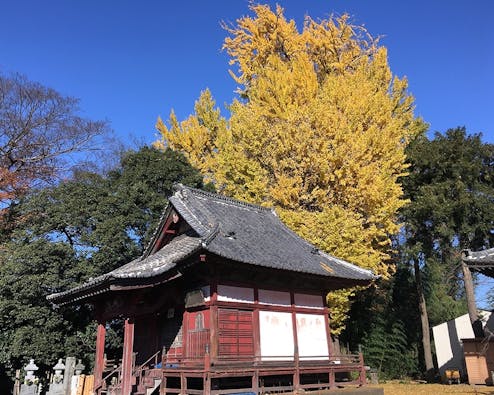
x: 318, y: 131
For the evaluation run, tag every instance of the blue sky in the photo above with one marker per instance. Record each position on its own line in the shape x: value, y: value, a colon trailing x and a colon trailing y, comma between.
x: 131, y: 61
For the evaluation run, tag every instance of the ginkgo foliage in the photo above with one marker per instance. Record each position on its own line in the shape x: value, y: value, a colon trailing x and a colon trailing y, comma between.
x: 318, y: 131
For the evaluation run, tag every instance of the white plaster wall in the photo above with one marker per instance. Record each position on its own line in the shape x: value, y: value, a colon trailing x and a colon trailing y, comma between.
x: 276, y: 331
x: 447, y: 341
x: 206, y: 291
x: 277, y: 298
x: 227, y: 293
x: 313, y: 301
x: 487, y: 320
x: 311, y: 336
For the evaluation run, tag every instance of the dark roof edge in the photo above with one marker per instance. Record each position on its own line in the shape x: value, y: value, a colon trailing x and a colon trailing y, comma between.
x: 106, y: 280
x: 470, y: 256
x: 91, y: 288
x: 352, y: 266
x: 327, y: 255
x: 157, y: 231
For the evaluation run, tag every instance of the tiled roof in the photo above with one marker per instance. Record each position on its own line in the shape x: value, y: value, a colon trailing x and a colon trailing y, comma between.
x: 255, y: 235
x: 159, y: 263
x: 231, y: 229
x: 480, y: 261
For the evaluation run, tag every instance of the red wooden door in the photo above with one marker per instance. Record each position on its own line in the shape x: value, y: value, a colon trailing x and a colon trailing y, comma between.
x: 235, y: 333
x: 198, y: 334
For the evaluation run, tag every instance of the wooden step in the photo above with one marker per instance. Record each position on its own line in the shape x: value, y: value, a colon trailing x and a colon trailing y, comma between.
x: 155, y: 373
x: 148, y: 381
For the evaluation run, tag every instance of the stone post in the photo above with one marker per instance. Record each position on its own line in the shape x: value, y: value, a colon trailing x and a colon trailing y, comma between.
x: 69, y: 372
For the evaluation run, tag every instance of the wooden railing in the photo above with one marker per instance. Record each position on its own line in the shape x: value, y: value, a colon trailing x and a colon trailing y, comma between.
x: 102, y: 385
x: 114, y: 378
x: 140, y: 370
x: 264, y: 367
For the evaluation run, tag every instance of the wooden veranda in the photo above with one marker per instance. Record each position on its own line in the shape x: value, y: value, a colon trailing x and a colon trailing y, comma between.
x: 233, y: 376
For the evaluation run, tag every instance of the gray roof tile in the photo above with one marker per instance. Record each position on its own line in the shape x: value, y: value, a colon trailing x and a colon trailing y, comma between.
x: 255, y: 235
x: 159, y: 263
x: 480, y: 261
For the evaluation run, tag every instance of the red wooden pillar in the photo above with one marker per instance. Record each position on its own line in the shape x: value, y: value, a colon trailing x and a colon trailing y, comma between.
x: 99, y: 360
x: 128, y: 347
x: 257, y: 342
x: 296, y: 375
x: 256, y: 327
x: 213, y: 321
x: 328, y: 333
x: 186, y: 353
x: 332, y: 381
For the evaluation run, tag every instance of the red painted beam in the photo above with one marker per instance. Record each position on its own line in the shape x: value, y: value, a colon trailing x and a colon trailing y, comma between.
x: 173, y: 218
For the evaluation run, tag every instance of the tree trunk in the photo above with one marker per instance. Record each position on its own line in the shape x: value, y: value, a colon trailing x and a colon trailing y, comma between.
x: 469, y: 292
x: 424, y: 319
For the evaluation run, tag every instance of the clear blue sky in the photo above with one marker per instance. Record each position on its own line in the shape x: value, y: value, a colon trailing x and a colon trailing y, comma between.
x: 130, y: 61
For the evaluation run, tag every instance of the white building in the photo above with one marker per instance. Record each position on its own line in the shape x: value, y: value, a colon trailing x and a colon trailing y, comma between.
x: 447, y: 340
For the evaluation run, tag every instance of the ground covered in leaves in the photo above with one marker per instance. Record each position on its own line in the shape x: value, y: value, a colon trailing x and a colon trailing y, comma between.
x: 433, y: 389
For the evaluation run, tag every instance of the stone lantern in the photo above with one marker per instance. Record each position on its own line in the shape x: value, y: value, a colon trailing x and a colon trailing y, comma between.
x: 30, y: 369
x: 56, y: 385
x: 78, y: 368
x: 58, y: 368
x: 30, y: 385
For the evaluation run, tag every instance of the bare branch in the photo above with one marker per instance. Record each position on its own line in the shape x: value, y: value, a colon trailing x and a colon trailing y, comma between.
x: 39, y: 128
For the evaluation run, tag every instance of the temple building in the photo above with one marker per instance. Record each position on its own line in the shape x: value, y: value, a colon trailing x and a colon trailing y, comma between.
x: 225, y: 299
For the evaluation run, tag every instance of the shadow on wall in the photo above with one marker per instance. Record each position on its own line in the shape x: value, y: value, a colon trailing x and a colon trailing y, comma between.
x: 489, y: 326
x: 457, y: 361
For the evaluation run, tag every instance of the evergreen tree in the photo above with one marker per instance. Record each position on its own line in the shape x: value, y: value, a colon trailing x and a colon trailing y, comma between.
x: 386, y: 349
x: 386, y: 325
x: 451, y: 189
x: 78, y: 229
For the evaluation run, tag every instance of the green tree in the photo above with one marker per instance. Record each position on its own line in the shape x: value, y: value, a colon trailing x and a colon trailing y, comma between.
x: 31, y: 269
x: 145, y: 178
x: 451, y: 190
x: 386, y: 349
x: 386, y: 327
x: 77, y: 229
